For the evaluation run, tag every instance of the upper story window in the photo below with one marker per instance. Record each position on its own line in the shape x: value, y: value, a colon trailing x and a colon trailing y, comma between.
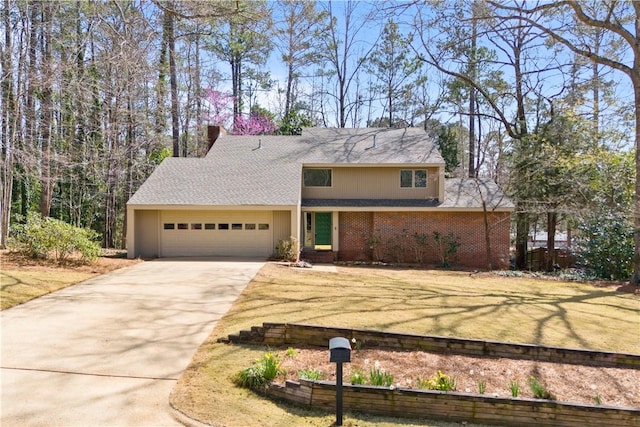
x: 317, y: 177
x: 413, y: 178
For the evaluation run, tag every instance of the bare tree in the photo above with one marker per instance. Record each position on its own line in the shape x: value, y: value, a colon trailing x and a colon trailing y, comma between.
x: 298, y: 36
x: 345, y: 61
x: 618, y: 19
x: 8, y: 126
x: 515, y: 40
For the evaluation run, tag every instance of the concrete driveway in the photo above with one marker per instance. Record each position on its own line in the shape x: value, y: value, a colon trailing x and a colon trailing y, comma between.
x: 108, y: 352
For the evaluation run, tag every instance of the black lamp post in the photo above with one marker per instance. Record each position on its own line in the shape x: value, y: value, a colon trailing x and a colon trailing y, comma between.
x: 339, y: 352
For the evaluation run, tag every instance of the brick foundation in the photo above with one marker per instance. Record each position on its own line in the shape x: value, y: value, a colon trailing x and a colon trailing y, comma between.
x: 391, y: 237
x: 319, y: 257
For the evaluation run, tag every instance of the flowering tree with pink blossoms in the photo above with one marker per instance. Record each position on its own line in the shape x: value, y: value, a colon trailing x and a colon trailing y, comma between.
x: 220, y: 112
x: 257, y: 123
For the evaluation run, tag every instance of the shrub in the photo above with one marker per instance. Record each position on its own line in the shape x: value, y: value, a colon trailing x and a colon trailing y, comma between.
x: 482, y: 387
x: 394, y: 248
x: 258, y: 376
x: 605, y: 245
x: 51, y: 238
x: 447, y: 247
x: 287, y: 249
x: 374, y: 241
x: 439, y: 381
x: 420, y: 247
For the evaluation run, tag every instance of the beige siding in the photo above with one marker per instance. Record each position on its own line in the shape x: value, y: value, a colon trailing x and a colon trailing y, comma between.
x: 281, y: 226
x: 146, y: 233
x: 372, y: 183
x: 244, y: 241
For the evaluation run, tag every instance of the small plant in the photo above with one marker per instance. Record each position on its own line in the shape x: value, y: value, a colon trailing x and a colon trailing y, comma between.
x: 310, y: 374
x: 514, y: 386
x: 482, y: 387
x: 421, y: 241
x: 374, y: 241
x: 379, y: 377
x: 258, y: 376
x: 291, y: 352
x: 394, y: 248
x: 538, y: 389
x: 357, y: 377
x: 357, y: 345
x: 439, y: 381
x: 447, y: 246
x: 287, y: 249
x: 598, y: 399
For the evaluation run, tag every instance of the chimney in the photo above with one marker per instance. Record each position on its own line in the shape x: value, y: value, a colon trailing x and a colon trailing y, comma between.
x: 374, y: 140
x: 213, y: 132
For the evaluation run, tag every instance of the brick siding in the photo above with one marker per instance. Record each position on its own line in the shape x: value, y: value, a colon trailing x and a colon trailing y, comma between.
x: 355, y: 234
x: 391, y: 237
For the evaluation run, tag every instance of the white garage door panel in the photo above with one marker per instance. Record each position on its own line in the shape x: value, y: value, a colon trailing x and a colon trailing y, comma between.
x: 244, y: 242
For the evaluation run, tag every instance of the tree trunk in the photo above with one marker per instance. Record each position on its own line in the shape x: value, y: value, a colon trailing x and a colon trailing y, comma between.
x: 173, y: 78
x: 552, y: 218
x: 47, y: 111
x: 636, y: 214
x: 472, y: 99
x: 522, y: 233
x: 7, y: 131
x: 487, y: 235
x: 287, y: 101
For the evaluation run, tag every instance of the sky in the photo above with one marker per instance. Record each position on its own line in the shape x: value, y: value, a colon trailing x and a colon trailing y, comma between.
x: 549, y: 83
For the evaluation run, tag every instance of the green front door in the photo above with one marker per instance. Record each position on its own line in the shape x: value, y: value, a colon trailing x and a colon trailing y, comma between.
x: 323, y: 230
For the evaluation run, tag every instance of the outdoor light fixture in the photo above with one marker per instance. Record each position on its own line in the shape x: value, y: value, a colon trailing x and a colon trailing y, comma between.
x: 339, y: 352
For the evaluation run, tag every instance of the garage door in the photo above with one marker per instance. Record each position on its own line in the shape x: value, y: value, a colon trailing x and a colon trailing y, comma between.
x: 223, y: 233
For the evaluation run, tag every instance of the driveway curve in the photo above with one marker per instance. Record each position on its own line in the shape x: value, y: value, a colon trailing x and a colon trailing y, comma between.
x: 107, y: 352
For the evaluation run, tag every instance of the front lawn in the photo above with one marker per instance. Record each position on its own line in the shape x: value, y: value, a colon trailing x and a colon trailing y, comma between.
x: 23, y: 279
x: 431, y: 302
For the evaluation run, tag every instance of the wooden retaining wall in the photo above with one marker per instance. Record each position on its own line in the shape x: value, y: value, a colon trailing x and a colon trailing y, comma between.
x: 299, y: 334
x: 454, y: 406
x: 451, y: 406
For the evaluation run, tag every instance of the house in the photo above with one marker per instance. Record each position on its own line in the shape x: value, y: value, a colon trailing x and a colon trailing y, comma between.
x: 538, y: 239
x: 343, y: 194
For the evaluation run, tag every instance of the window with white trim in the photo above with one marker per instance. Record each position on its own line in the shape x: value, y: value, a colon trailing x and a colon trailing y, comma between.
x: 413, y: 178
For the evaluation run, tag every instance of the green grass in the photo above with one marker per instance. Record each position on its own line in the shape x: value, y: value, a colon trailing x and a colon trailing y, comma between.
x: 434, y: 302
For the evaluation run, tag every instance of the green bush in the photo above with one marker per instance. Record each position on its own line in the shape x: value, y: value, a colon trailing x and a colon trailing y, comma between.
x: 605, y: 245
x: 258, y: 376
x: 51, y: 238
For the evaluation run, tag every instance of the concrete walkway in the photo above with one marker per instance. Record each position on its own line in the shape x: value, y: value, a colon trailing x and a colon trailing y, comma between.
x: 108, y: 352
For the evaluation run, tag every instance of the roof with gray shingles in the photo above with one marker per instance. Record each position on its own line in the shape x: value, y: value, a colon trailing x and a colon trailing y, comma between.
x: 267, y: 170
x: 469, y: 193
